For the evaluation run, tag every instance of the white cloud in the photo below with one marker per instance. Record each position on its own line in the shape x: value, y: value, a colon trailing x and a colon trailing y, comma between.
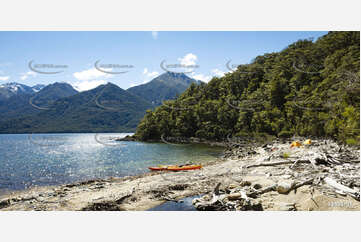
x: 201, y: 77
x: 4, y: 78
x: 207, y: 78
x: 90, y: 74
x: 188, y: 59
x: 218, y: 73
x: 149, y: 75
x: 155, y: 34
x: 87, y: 85
x: 27, y: 74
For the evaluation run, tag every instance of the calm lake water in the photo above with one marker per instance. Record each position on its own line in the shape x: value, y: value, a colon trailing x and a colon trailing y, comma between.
x: 53, y: 159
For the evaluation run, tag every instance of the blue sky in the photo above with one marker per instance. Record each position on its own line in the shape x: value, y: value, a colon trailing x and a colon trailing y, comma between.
x: 143, y: 52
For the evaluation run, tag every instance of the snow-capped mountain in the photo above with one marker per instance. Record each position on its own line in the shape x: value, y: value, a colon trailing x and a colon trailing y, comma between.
x: 10, y: 89
x: 15, y: 87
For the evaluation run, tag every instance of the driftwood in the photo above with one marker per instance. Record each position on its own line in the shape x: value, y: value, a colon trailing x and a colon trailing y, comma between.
x: 264, y: 190
x: 215, y: 203
x: 226, y: 202
x: 339, y: 187
x: 274, y: 187
x: 278, y: 163
x: 307, y: 182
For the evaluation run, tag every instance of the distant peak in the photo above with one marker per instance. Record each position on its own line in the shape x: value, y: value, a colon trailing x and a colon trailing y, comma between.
x: 178, y: 74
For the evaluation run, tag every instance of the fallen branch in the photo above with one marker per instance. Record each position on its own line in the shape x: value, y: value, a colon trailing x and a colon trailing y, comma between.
x: 278, y: 163
x: 307, y: 182
x: 259, y: 192
x: 332, y: 183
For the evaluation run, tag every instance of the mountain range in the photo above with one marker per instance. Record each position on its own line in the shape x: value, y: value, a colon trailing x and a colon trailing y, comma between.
x: 59, y: 107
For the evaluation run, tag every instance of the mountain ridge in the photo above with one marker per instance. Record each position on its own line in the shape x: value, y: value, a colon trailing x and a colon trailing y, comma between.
x: 166, y: 86
x: 86, y: 111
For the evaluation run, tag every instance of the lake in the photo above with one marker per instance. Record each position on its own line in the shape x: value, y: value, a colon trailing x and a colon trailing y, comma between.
x: 54, y: 159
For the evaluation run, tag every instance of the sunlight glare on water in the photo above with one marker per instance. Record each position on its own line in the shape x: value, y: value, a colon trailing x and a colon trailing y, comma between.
x: 52, y: 159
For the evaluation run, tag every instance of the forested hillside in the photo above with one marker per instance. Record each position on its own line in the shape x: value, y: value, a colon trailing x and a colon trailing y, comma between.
x: 311, y: 88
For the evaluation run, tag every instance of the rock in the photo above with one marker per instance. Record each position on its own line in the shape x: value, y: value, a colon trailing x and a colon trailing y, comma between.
x: 4, y: 203
x: 257, y: 186
x: 28, y: 198
x: 16, y: 199
x: 232, y: 186
x: 286, y: 176
x: 284, y: 187
x: 234, y: 196
x: 245, y: 183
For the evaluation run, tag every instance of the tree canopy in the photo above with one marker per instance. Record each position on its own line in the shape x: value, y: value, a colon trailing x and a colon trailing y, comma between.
x: 311, y: 88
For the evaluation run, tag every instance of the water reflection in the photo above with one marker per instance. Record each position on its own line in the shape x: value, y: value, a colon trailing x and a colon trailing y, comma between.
x: 80, y: 157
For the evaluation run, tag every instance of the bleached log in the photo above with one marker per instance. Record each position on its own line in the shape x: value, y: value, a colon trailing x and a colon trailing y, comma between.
x: 334, y: 184
x: 331, y: 182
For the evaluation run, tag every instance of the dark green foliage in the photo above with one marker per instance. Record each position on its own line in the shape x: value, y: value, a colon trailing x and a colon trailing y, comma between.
x: 309, y: 89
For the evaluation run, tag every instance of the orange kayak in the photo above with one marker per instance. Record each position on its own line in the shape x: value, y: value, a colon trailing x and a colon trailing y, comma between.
x: 158, y: 168
x: 184, y: 168
x: 176, y: 168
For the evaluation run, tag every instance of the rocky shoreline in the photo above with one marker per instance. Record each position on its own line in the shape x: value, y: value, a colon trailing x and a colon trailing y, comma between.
x: 318, y: 176
x: 177, y: 140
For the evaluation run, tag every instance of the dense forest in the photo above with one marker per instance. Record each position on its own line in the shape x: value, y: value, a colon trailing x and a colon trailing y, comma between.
x: 311, y: 88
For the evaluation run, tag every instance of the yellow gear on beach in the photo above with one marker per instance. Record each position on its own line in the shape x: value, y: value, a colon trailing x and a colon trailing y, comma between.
x: 307, y: 142
x: 295, y: 144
